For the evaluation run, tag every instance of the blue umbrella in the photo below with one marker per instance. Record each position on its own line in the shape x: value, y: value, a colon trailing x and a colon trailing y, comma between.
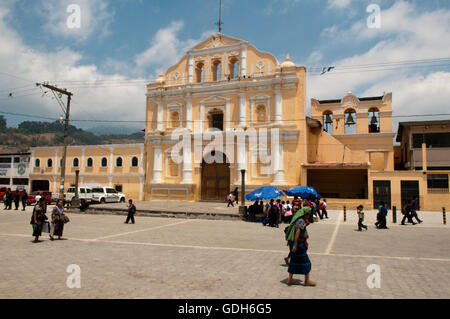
x: 265, y: 192
x: 303, y: 192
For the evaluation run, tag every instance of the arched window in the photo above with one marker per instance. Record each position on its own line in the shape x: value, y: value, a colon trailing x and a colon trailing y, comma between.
x: 119, y: 162
x: 104, y: 162
x: 49, y: 163
x: 200, y: 72
x: 327, y: 120
x: 374, y: 120
x: 134, y: 162
x: 233, y: 67
x: 76, y: 162
x: 216, y: 70
x: 261, y: 114
x: 37, y: 162
x: 215, y: 118
x: 89, y: 162
x: 350, y: 121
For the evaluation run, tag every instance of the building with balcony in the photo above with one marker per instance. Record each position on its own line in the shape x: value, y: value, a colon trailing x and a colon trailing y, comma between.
x: 14, y: 169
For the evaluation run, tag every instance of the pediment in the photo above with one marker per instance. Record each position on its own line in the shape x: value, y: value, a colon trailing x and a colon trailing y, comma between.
x: 216, y: 42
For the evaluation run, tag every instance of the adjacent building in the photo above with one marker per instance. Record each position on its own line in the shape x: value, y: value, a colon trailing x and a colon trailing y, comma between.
x: 120, y: 166
x: 14, y: 169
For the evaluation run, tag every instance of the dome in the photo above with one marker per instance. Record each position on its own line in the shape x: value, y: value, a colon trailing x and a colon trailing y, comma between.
x: 160, y: 79
x: 288, y: 63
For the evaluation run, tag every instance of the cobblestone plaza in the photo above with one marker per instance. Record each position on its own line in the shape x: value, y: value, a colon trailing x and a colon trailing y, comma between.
x: 195, y: 258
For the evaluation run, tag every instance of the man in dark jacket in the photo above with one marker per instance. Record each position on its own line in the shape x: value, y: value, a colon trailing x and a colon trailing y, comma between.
x: 131, y: 212
x: 16, y: 200
x: 9, y: 199
x: 23, y: 198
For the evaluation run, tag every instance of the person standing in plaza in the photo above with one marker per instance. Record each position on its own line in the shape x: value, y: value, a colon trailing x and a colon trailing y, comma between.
x: 236, y: 195
x: 383, y: 212
x: 230, y: 200
x: 23, y: 198
x: 9, y: 199
x: 324, y: 208
x: 297, y: 237
x: 57, y: 225
x: 288, y: 213
x: 131, y: 212
x: 296, y: 204
x: 359, y: 211
x: 38, y: 218
x: 16, y: 200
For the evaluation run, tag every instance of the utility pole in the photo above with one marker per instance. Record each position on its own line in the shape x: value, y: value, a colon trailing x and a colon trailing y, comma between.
x: 66, y: 133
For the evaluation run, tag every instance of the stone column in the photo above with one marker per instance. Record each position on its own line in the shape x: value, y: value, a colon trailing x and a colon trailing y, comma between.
x: 278, y: 166
x: 191, y: 70
x: 187, y: 162
x: 189, y: 113
x: 157, y: 165
x: 243, y: 62
x: 424, y: 157
x: 111, y: 164
x: 159, y: 116
x: 242, y: 109
x: 241, y: 160
x: 140, y: 188
x: 202, y: 117
x: 278, y: 106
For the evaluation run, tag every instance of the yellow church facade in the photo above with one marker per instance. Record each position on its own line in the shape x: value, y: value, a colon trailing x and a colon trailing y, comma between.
x: 227, y: 88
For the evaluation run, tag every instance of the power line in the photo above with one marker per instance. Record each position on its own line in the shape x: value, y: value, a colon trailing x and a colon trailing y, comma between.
x: 185, y: 121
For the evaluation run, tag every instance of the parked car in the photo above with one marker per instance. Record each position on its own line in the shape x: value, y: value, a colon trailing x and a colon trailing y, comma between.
x: 3, y: 191
x: 83, y: 193
x: 107, y: 195
x: 32, y: 197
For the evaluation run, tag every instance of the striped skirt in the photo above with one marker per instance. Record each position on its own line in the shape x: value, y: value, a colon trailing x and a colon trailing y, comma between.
x: 299, y: 263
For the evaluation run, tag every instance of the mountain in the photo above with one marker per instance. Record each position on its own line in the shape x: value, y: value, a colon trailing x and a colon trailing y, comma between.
x: 116, y: 130
x: 33, y: 133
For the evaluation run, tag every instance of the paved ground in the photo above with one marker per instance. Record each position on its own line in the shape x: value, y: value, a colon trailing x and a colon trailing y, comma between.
x: 192, y: 258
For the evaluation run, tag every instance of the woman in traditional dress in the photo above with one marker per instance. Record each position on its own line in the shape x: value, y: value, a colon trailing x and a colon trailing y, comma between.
x: 57, y: 221
x: 297, y: 236
x: 38, y: 219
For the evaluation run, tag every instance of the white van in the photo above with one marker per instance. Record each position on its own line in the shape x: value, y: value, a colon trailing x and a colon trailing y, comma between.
x: 107, y: 195
x: 83, y: 193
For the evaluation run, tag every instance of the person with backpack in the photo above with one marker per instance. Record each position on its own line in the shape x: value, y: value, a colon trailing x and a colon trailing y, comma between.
x: 297, y: 239
x: 230, y: 200
x: 131, y: 212
x: 38, y: 218
x: 407, y: 213
x: 288, y: 213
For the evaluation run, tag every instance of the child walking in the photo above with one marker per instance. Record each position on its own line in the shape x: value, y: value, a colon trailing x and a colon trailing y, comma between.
x: 359, y: 211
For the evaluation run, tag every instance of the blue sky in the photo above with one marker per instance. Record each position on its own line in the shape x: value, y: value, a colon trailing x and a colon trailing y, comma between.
x: 131, y: 41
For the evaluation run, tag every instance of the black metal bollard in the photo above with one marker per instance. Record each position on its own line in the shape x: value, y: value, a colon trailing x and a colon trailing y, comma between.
x: 444, y: 217
x: 345, y: 214
x: 394, y: 214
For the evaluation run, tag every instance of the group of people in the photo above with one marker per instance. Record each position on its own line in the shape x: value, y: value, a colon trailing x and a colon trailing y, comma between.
x: 410, y: 212
x: 40, y: 222
x: 17, y: 197
x: 276, y: 212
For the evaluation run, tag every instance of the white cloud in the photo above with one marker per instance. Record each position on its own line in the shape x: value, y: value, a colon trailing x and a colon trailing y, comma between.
x: 96, y: 17
x: 339, y: 3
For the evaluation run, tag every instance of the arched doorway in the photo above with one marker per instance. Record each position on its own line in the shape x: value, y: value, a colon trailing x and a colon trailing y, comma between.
x: 215, y: 179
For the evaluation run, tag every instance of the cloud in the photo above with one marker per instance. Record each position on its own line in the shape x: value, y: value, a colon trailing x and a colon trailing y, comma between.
x: 340, y: 4
x: 95, y: 15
